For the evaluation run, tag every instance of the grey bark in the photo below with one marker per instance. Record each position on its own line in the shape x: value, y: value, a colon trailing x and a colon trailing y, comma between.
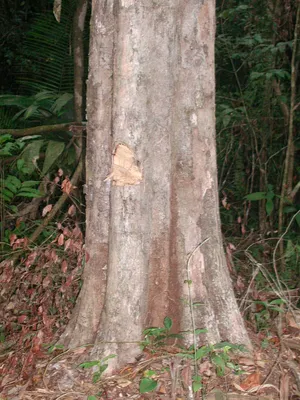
x: 151, y: 88
x: 78, y: 56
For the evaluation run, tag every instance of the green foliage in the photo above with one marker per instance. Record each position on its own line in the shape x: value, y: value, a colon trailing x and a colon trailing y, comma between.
x: 147, y: 385
x: 99, y: 365
x: 253, y: 73
x: 155, y: 337
x: 12, y: 188
x: 266, y: 309
x: 40, y: 106
x: 53, y: 151
x: 54, y: 347
x: 49, y: 63
x: 219, y: 354
x: 197, y: 383
x: 2, y: 334
x: 268, y: 196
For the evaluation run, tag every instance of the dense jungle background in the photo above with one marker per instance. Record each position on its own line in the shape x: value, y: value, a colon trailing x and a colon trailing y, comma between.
x: 42, y: 218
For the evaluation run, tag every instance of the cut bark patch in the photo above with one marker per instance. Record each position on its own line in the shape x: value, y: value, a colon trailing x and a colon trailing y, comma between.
x: 125, y: 170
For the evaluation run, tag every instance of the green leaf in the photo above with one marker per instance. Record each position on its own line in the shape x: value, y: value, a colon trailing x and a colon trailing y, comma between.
x: 91, y: 397
x: 14, y: 181
x: 96, y: 377
x: 147, y: 385
x: 289, y: 209
x: 185, y: 355
x: 175, y: 335
x: 202, y: 352
x: 198, y: 304
x: 197, y: 378
x: 89, y: 364
x: 30, y: 111
x: 30, y: 184
x: 269, y: 206
x: 154, y: 331
x: 256, y: 75
x: 256, y: 196
x: 148, y: 373
x: 32, y: 193
x: 5, y: 138
x: 297, y: 218
x: 275, y: 308
x: 11, y: 187
x: 102, y: 368
x: 55, y: 347
x: 61, y: 102
x: 231, y: 365
x: 278, y: 301
x: 168, y: 323
x: 219, y: 363
x: 54, y: 150
x: 7, y: 195
x: 196, y: 386
x: 5, y: 152
x: 31, y: 154
x: 108, y: 357
x: 13, y: 100
x: 198, y: 331
x: 226, y: 120
x: 20, y: 164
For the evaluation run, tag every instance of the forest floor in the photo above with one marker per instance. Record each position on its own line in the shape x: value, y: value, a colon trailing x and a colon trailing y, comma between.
x: 36, y: 301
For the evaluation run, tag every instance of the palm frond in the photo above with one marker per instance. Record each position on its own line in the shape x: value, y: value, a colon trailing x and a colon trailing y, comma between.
x: 47, y: 48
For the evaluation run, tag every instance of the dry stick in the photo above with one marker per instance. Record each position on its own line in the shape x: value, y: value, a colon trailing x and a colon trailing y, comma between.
x: 37, y: 130
x: 53, y: 212
x: 69, y: 393
x: 290, y: 147
x: 58, y: 205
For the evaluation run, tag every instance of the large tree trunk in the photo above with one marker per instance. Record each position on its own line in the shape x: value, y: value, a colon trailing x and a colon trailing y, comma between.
x: 151, y: 98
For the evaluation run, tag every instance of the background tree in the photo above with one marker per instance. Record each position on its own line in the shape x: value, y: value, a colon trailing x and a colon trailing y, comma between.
x: 153, y: 237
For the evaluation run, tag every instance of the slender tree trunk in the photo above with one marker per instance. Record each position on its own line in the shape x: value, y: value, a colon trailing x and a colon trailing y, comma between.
x: 78, y: 56
x: 152, y: 179
x: 286, y: 187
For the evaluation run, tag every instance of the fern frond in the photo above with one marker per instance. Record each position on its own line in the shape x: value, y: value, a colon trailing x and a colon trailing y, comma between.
x: 48, y: 51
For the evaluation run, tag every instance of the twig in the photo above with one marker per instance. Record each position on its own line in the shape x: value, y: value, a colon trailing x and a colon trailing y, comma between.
x: 52, y: 213
x: 37, y: 130
x: 69, y: 393
x: 57, y: 206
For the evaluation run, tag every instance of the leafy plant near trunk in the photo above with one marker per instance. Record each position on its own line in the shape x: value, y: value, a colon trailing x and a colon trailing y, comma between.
x: 161, y: 343
x: 264, y: 311
x: 99, y: 365
x: 158, y: 340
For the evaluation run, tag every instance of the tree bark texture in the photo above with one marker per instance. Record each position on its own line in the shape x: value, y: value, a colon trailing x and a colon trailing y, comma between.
x: 151, y: 94
x: 78, y: 55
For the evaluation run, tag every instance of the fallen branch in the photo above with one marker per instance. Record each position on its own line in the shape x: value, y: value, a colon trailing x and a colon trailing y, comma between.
x: 38, y: 130
x: 63, y: 198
